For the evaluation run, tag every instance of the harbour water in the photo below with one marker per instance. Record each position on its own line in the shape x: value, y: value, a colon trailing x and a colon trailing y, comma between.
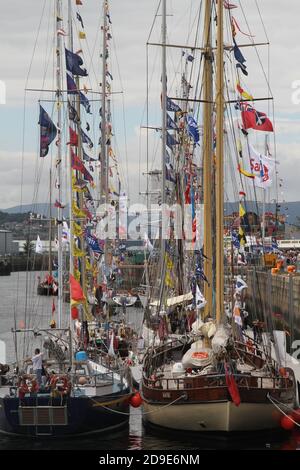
x: 37, y: 311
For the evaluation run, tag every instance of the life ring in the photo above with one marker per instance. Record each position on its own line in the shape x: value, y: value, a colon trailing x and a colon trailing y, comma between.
x: 66, y: 385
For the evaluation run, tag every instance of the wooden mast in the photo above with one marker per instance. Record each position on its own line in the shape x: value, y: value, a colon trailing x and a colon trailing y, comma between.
x: 163, y: 140
x: 220, y: 167
x: 207, y: 158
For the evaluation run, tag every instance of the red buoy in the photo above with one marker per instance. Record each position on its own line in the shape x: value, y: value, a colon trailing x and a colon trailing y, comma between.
x: 136, y: 400
x: 287, y: 423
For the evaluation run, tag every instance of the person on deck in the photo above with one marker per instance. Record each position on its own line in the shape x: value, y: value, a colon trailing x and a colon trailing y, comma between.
x: 37, y: 365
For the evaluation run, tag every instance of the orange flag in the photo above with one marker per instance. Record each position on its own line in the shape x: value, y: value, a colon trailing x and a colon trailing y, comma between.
x: 76, y: 290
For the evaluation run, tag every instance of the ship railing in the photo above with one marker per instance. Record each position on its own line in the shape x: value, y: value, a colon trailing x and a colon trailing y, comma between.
x: 243, y: 381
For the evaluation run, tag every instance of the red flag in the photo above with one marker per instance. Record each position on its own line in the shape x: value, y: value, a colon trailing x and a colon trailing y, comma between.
x: 232, y: 387
x: 73, y: 137
x: 74, y: 313
x: 76, y: 290
x: 53, y: 307
x: 254, y: 119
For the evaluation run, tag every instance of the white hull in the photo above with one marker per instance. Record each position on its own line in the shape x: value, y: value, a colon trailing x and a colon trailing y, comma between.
x: 218, y: 417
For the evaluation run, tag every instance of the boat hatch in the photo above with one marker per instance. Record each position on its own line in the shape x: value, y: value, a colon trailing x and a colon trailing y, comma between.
x: 43, y: 415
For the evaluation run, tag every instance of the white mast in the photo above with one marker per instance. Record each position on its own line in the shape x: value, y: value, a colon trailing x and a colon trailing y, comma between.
x: 59, y: 158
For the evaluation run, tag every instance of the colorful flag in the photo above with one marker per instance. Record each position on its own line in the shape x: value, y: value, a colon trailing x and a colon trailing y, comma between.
x: 242, y: 211
x: 171, y: 141
x: 240, y: 284
x: 254, y: 119
x: 48, y: 132
x: 73, y: 138
x: 73, y: 115
x: 232, y: 386
x: 260, y: 168
x: 59, y: 205
x: 76, y: 290
x: 170, y: 123
x: 71, y: 85
x: 73, y: 64
x: 171, y: 106
x: 93, y: 243
x: 243, y: 93
x: 193, y: 130
x: 85, y: 103
x: 85, y: 139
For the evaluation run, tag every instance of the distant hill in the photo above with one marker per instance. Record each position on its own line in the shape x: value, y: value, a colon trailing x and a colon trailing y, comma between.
x: 38, y: 208
x: 290, y: 209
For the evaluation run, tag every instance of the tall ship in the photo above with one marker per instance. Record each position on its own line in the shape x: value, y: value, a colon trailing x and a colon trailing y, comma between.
x: 55, y: 388
x: 204, y: 370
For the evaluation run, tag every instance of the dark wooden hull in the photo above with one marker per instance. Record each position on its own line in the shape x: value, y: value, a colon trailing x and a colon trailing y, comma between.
x: 73, y: 416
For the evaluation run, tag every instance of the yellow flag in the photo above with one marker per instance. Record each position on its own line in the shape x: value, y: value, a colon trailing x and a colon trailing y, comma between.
x: 76, y: 274
x: 77, y: 252
x: 88, y: 265
x: 76, y: 211
x: 242, y: 236
x: 76, y: 229
x: 82, y: 35
x: 242, y: 211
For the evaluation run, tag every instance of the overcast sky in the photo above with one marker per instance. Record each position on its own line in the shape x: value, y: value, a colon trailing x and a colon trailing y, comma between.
x: 132, y: 20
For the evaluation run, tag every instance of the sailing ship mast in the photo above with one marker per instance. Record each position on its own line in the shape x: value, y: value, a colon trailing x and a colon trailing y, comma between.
x: 104, y: 162
x: 163, y: 143
x: 207, y: 159
x: 220, y: 166
x: 59, y: 158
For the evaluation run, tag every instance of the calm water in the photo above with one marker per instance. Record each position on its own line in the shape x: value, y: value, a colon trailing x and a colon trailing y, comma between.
x: 37, y: 312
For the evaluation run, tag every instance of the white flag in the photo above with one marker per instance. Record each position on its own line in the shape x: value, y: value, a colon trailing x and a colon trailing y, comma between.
x: 38, y: 245
x: 262, y: 167
x: 147, y: 243
x: 65, y: 233
x: 200, y: 300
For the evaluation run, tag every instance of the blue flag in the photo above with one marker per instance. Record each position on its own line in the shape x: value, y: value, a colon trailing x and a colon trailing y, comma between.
x: 193, y: 130
x: 237, y: 54
x: 85, y: 139
x: 93, y: 243
x: 87, y: 158
x: 48, y: 132
x: 170, y: 123
x: 171, y: 141
x: 73, y: 64
x: 235, y: 240
x: 71, y: 85
x: 171, y: 106
x: 85, y: 103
